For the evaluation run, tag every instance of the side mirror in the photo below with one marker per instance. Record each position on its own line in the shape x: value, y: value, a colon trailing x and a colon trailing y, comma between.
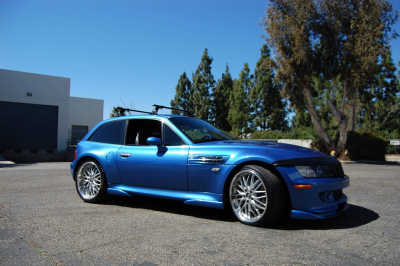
x: 153, y: 141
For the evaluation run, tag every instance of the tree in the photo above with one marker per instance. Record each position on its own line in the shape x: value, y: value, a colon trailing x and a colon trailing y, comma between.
x: 301, y: 119
x: 338, y: 41
x: 117, y: 111
x: 398, y: 72
x: 203, y: 83
x: 182, y: 96
x: 267, y: 105
x: 381, y: 102
x: 221, y: 103
x: 320, y: 94
x: 239, y: 112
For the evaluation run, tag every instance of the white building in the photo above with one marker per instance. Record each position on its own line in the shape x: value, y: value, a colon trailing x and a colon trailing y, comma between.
x: 38, y: 113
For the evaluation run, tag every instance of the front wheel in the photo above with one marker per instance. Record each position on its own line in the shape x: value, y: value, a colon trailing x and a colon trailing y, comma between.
x: 90, y: 181
x: 256, y: 195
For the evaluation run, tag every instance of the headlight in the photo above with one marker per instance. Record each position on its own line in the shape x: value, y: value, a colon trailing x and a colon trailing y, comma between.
x: 310, y: 171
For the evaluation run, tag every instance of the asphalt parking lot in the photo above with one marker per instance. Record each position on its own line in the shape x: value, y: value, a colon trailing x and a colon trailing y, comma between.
x: 44, y: 222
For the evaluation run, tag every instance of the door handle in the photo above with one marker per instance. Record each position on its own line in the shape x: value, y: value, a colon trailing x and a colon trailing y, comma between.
x: 123, y: 154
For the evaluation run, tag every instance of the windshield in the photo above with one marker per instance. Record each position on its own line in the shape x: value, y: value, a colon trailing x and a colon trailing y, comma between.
x: 198, y: 130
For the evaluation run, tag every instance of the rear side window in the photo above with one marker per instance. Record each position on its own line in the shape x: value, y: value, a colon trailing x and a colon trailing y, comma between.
x: 112, y: 133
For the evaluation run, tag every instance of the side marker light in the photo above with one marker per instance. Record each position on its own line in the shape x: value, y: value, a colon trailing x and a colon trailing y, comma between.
x: 302, y: 186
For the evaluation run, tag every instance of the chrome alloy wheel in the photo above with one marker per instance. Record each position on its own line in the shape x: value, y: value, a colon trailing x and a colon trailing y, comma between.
x: 88, y: 180
x: 248, y: 196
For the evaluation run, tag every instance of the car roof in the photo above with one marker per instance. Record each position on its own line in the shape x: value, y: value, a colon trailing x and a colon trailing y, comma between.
x: 166, y: 116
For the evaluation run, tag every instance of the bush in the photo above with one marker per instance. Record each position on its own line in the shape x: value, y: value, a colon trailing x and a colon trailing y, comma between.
x: 389, y: 134
x: 267, y: 134
x: 319, y: 145
x: 231, y: 134
x: 392, y: 149
x: 294, y: 133
x: 366, y: 146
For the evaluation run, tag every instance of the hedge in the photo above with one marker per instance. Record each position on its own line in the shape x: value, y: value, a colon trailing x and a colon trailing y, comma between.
x: 366, y: 146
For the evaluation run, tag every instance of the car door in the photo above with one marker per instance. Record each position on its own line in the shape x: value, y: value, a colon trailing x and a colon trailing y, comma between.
x: 104, y: 144
x: 142, y: 165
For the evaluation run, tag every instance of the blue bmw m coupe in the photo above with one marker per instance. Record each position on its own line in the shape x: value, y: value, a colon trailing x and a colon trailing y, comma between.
x: 186, y: 159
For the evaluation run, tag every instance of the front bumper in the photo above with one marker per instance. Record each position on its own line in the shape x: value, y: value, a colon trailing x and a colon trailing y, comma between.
x: 324, y: 200
x: 320, y: 213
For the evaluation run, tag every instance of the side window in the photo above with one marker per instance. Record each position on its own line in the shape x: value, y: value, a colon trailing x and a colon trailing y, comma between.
x: 140, y: 129
x: 171, y: 138
x: 112, y: 133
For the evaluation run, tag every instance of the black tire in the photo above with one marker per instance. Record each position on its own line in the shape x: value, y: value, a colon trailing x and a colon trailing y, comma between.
x: 90, y: 181
x: 256, y: 196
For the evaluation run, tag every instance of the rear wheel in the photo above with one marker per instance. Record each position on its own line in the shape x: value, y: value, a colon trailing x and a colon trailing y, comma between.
x: 256, y: 195
x: 90, y: 181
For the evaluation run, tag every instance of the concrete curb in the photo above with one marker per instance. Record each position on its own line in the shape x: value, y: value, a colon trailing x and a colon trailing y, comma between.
x: 3, y: 161
x: 371, y: 162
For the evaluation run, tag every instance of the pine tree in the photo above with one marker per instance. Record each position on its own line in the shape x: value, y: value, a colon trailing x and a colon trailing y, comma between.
x: 301, y: 119
x: 182, y: 96
x: 239, y: 112
x: 398, y: 72
x: 277, y: 118
x: 203, y: 83
x: 267, y: 105
x: 221, y: 103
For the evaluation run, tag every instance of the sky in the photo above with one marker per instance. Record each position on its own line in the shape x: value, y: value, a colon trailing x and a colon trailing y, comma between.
x: 134, y: 50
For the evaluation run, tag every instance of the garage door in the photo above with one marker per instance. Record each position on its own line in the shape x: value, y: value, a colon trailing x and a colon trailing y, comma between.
x: 28, y: 126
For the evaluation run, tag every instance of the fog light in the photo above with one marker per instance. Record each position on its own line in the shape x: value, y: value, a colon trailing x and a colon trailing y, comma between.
x: 329, y: 195
x: 302, y: 186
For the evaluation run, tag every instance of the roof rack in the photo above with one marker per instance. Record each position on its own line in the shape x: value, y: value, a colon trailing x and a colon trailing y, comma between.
x: 155, y: 110
x: 158, y: 107
x: 126, y: 109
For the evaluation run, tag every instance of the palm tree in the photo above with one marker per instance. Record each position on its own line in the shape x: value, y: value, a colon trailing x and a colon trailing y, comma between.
x: 117, y: 111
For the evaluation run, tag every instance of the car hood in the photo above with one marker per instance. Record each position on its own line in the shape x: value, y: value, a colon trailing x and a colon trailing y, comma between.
x: 272, y: 150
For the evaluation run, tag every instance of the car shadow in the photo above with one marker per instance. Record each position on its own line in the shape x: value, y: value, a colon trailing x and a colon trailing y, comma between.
x: 171, y: 206
x: 355, y: 216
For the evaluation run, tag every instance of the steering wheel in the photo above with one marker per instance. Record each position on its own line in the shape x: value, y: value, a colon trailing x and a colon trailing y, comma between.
x: 207, y: 136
